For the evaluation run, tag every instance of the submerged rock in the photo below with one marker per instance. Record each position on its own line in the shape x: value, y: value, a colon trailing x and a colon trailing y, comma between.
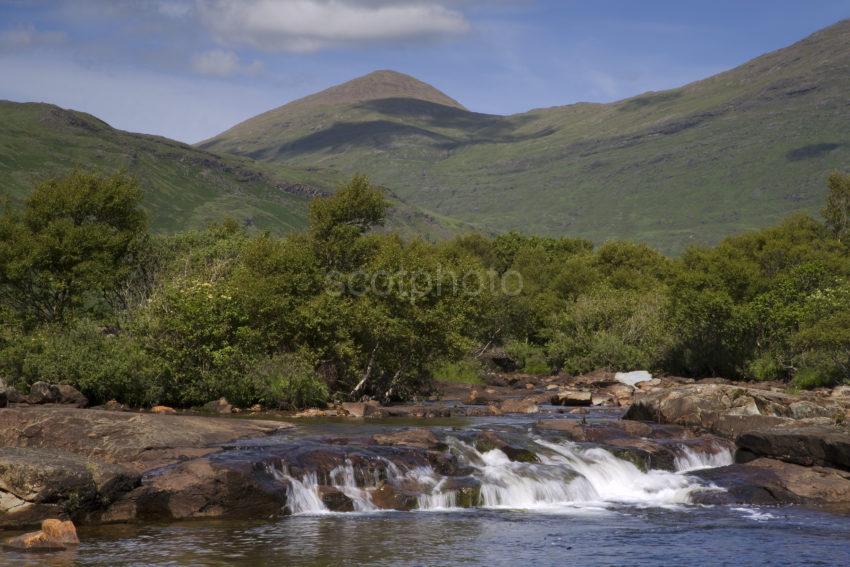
x: 55, y: 535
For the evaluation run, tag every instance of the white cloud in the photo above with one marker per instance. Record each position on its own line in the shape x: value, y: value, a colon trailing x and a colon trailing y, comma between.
x: 311, y: 25
x: 221, y: 63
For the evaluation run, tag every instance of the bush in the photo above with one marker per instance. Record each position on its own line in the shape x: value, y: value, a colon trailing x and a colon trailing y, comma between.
x: 102, y: 366
x: 466, y: 371
x: 530, y: 358
x: 611, y: 329
x: 289, y: 381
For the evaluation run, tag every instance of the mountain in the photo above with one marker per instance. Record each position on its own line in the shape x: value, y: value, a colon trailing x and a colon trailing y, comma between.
x: 183, y: 187
x: 738, y: 150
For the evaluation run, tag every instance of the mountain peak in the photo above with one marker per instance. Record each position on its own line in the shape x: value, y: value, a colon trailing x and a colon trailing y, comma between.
x: 378, y: 85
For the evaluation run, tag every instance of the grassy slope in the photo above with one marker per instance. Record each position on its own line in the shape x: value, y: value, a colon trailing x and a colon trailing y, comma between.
x: 736, y: 151
x: 184, y: 187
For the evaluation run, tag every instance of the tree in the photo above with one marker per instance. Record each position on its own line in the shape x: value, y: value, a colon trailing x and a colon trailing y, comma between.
x: 837, y: 210
x: 71, y: 244
x: 338, y: 222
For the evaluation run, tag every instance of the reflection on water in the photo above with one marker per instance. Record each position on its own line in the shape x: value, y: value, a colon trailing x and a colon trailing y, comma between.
x: 707, y: 536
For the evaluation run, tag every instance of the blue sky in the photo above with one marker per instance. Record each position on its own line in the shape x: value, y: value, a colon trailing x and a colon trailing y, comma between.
x: 188, y: 69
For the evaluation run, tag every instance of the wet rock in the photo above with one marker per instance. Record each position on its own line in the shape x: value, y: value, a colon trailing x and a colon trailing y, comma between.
x: 335, y: 500
x: 163, y: 410
x: 489, y: 440
x: 207, y: 487
x: 567, y: 397
x: 740, y: 484
x: 467, y: 491
x: 44, y: 393
x: 388, y: 497
x: 219, y: 406
x: 814, y: 445
x: 55, y: 535
x: 37, y: 482
x: 526, y: 405
x: 422, y: 438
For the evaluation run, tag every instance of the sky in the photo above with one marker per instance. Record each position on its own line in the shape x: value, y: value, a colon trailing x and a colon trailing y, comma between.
x: 189, y: 69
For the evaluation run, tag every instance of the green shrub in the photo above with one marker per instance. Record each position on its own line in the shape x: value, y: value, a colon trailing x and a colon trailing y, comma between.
x: 102, y: 366
x: 289, y: 381
x: 466, y: 371
x: 530, y: 358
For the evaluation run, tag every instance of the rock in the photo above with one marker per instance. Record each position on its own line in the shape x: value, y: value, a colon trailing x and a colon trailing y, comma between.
x: 361, y: 409
x: 622, y: 393
x: 142, y: 441
x: 632, y: 378
x: 742, y: 484
x: 163, y: 410
x: 55, y: 535
x: 476, y: 397
x: 602, y: 400
x: 422, y: 438
x: 467, y: 491
x: 219, y: 406
x: 489, y: 440
x: 527, y: 405
x: 529, y: 386
x: 568, y: 397
x: 388, y: 497
x: 71, y: 396
x: 4, y: 395
x: 711, y: 406
x: 36, y: 482
x: 335, y: 500
x: 814, y: 445
x: 44, y: 393
x: 114, y: 405
x: 840, y: 392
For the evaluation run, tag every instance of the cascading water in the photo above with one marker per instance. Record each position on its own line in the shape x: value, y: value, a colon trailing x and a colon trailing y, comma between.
x: 566, y: 476
x: 689, y: 460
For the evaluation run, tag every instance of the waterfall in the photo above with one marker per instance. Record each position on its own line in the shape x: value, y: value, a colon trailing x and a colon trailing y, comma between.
x: 689, y: 460
x: 567, y: 476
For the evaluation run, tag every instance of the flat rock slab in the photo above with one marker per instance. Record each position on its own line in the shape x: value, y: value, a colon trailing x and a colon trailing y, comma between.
x: 142, y: 441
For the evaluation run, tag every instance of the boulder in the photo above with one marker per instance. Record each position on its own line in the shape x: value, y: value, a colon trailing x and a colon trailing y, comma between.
x: 526, y: 405
x: 71, y: 396
x: 633, y: 378
x: 4, y: 394
x: 622, y: 393
x: 44, y: 393
x: 489, y: 440
x: 36, y: 482
x: 568, y: 397
x: 335, y: 500
x: 219, y: 406
x: 840, y: 392
x: 55, y: 535
x: 163, y: 410
x: 388, y: 497
x: 812, y: 445
x: 422, y: 438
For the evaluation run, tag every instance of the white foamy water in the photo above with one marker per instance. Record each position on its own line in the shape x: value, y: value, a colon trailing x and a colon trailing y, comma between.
x: 567, y: 477
x: 690, y: 460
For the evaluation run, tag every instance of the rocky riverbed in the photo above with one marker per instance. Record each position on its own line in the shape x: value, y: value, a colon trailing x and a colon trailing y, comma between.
x: 518, y: 442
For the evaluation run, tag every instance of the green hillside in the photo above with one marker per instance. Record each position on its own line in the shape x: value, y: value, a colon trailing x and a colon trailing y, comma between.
x: 184, y: 187
x: 736, y: 151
